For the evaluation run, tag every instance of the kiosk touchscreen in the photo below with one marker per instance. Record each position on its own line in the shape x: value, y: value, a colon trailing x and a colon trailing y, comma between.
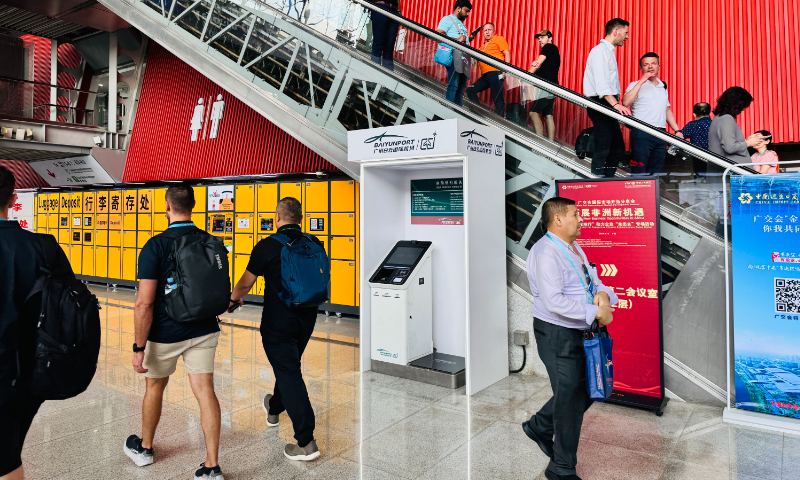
x: 402, y: 306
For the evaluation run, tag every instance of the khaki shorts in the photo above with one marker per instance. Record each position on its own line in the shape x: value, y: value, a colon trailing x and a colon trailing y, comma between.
x: 161, y: 359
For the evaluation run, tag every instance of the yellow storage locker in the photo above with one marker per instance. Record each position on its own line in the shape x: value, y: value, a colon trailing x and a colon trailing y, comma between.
x: 239, y: 266
x: 343, y: 224
x: 88, y: 261
x: 243, y: 243
x: 129, y: 239
x: 343, y: 282
x: 343, y: 248
x: 88, y: 237
x: 129, y: 221
x: 77, y: 203
x: 115, y: 222
x: 101, y: 238
x: 114, y: 238
x: 42, y: 230
x: 199, y: 219
x: 64, y: 236
x: 343, y: 195
x: 160, y: 200
x: 244, y: 223
x: 77, y: 221
x: 129, y: 201
x: 89, y: 202
x: 75, y: 259
x: 160, y: 222
x: 77, y: 237
x: 64, y: 247
x: 115, y: 202
x: 200, y: 202
x: 144, y: 200
x: 358, y: 244
x: 266, y: 224
x: 245, y: 199
x: 64, y: 203
x: 325, y: 243
x: 88, y: 220
x: 64, y: 220
x: 145, y: 222
x: 316, y: 197
x: 52, y: 221
x: 129, y: 264
x: 115, y: 262
x: 267, y: 197
x: 142, y: 237
x: 101, y: 221
x: 101, y: 261
x: 101, y: 202
x: 291, y: 189
x: 316, y: 224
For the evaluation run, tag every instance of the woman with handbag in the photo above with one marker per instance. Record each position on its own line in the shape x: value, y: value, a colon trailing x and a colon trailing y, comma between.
x: 453, y: 27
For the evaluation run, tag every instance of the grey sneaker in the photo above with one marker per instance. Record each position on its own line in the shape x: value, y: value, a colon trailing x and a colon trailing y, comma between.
x: 304, y: 454
x: 134, y: 450
x: 272, y: 420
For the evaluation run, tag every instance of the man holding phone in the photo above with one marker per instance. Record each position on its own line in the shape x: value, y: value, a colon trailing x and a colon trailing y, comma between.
x: 568, y: 298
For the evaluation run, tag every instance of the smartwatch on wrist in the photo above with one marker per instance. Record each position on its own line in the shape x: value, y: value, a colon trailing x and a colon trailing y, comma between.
x: 678, y: 131
x: 137, y: 349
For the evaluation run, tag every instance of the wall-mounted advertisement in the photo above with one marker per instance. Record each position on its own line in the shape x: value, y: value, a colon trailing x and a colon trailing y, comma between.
x: 765, y: 266
x: 437, y: 201
x: 620, y: 235
x: 220, y: 198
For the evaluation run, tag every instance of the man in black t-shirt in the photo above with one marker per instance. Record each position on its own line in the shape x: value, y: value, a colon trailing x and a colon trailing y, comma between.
x: 160, y: 340
x: 285, y: 333
x: 545, y: 67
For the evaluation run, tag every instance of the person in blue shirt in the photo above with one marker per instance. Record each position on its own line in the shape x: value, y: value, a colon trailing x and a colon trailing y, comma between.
x: 453, y: 27
x: 696, y: 132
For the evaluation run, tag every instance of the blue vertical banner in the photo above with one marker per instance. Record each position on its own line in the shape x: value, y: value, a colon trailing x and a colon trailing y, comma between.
x: 765, y: 220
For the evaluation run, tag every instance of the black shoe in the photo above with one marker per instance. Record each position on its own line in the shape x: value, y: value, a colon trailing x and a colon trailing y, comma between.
x: 205, y: 472
x: 544, y: 444
x: 554, y: 476
x: 133, y: 449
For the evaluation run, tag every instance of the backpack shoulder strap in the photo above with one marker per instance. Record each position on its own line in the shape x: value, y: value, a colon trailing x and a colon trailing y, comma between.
x: 283, y: 239
x: 48, y: 252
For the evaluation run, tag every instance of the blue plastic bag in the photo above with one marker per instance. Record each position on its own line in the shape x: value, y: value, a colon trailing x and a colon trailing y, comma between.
x: 597, y: 344
x: 444, y: 55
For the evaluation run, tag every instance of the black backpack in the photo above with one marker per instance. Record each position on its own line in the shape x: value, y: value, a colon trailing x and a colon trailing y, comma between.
x: 65, y: 337
x: 584, y: 144
x: 202, y: 287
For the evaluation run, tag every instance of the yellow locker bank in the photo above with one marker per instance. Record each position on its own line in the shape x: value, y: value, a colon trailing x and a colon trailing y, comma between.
x: 102, y: 231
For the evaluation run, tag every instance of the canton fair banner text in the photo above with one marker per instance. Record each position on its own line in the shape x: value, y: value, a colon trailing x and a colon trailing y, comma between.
x: 765, y: 221
x: 620, y: 235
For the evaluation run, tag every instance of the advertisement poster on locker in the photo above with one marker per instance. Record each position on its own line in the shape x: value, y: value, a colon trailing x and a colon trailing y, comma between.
x: 220, y: 198
x: 765, y: 266
x: 620, y: 236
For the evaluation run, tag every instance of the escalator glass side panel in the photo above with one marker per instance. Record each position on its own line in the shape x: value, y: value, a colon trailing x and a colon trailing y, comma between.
x: 224, y: 14
x: 194, y: 21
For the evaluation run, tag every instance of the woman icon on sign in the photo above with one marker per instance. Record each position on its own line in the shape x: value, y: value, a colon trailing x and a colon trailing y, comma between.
x: 197, y: 119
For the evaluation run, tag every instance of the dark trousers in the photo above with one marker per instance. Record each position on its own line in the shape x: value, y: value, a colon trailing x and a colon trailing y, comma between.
x: 284, y: 342
x: 16, y: 416
x: 648, y: 152
x: 494, y: 81
x: 384, y: 36
x: 561, y: 350
x: 456, y: 84
x: 609, y: 147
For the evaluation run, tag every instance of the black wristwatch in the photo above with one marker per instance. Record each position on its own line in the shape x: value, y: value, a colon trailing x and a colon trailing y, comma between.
x: 137, y: 349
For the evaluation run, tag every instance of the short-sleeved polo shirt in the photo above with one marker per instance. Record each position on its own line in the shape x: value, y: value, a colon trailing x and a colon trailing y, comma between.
x: 494, y: 47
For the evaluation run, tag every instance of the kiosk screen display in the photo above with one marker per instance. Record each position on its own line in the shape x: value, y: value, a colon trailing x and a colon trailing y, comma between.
x: 405, y: 256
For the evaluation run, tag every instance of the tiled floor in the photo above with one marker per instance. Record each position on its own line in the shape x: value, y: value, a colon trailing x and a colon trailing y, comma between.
x: 372, y: 426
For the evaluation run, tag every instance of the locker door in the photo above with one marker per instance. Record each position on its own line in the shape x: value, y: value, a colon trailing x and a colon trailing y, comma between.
x: 101, y: 238
x: 343, y: 282
x: 316, y: 224
x: 88, y: 238
x: 129, y: 264
x: 52, y: 221
x: 200, y: 202
x: 343, y: 248
x: 129, y: 221
x: 199, y: 220
x: 75, y: 252
x: 239, y: 266
x: 129, y: 239
x: 114, y: 238
x: 160, y: 200
x: 114, y: 263
x: 343, y: 196
x: 244, y: 223
x: 145, y: 222
x: 316, y: 197
x: 142, y: 237
x: 160, y: 222
x: 65, y: 247
x: 343, y: 224
x: 266, y: 224
x: 88, y: 261
x: 292, y: 189
x: 101, y: 262
x: 267, y: 197
x: 245, y: 198
x: 64, y: 236
x: 243, y: 244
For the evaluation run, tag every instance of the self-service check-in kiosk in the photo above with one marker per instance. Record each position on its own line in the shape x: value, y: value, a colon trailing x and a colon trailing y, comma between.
x: 402, y: 304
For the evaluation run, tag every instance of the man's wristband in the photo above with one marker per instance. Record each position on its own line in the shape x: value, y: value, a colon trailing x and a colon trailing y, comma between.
x: 678, y: 131
x: 137, y: 349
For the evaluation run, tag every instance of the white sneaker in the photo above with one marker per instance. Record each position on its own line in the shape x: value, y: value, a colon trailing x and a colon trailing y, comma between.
x: 134, y: 450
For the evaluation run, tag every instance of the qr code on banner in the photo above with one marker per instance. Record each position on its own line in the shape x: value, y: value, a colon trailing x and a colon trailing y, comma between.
x: 787, y: 295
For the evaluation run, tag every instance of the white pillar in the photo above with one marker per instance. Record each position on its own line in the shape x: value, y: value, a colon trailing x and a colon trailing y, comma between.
x: 112, y: 82
x: 53, y: 78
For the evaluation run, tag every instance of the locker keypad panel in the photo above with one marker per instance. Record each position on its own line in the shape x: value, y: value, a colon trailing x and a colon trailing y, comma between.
x: 103, y: 231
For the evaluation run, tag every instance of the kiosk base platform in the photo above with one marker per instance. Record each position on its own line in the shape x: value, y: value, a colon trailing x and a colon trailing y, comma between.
x: 439, y: 369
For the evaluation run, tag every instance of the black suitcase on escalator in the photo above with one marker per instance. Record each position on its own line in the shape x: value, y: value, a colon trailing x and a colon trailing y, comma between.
x: 584, y: 144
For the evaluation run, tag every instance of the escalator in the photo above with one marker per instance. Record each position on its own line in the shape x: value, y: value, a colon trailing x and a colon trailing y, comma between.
x: 306, y: 67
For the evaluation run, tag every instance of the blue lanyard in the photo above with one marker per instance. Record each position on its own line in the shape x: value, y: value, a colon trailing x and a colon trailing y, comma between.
x: 181, y: 224
x: 588, y: 290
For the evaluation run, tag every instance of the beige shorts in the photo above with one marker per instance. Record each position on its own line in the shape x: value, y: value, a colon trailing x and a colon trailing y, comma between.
x: 161, y: 359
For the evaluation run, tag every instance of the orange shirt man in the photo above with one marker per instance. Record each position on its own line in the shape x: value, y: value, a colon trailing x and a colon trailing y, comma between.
x: 491, y: 78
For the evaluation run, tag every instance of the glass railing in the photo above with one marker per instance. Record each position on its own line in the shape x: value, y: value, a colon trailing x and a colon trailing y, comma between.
x: 295, y: 48
x: 18, y: 100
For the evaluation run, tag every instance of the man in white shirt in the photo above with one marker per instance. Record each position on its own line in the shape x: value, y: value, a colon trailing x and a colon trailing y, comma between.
x: 649, y: 102
x: 568, y: 297
x: 601, y: 84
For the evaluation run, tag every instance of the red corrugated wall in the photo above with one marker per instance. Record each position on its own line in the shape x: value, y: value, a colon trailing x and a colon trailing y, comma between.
x: 705, y: 46
x: 247, y: 143
x: 41, y: 73
x: 24, y: 175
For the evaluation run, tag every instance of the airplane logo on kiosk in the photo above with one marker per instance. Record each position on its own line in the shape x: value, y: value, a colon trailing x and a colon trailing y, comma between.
x: 380, y: 137
x: 471, y: 133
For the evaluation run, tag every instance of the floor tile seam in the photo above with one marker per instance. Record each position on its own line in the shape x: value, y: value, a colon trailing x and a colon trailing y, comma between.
x: 622, y: 448
x: 410, y: 397
x: 62, y: 410
x: 85, y: 429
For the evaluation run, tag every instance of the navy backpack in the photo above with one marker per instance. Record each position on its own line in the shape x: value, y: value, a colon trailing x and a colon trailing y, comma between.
x: 305, y: 272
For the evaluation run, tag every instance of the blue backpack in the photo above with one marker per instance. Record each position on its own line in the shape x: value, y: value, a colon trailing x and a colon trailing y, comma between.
x: 305, y: 272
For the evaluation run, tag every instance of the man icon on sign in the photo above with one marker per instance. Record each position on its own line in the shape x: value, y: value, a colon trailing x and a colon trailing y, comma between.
x: 216, y: 115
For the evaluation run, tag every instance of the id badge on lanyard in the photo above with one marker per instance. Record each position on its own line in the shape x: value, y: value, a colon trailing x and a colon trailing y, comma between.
x: 589, y: 289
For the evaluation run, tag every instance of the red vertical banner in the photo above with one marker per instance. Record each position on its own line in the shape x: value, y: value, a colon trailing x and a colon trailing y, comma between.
x: 621, y: 237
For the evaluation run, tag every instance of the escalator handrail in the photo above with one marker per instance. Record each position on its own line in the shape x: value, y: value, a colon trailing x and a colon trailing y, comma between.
x: 566, y: 94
